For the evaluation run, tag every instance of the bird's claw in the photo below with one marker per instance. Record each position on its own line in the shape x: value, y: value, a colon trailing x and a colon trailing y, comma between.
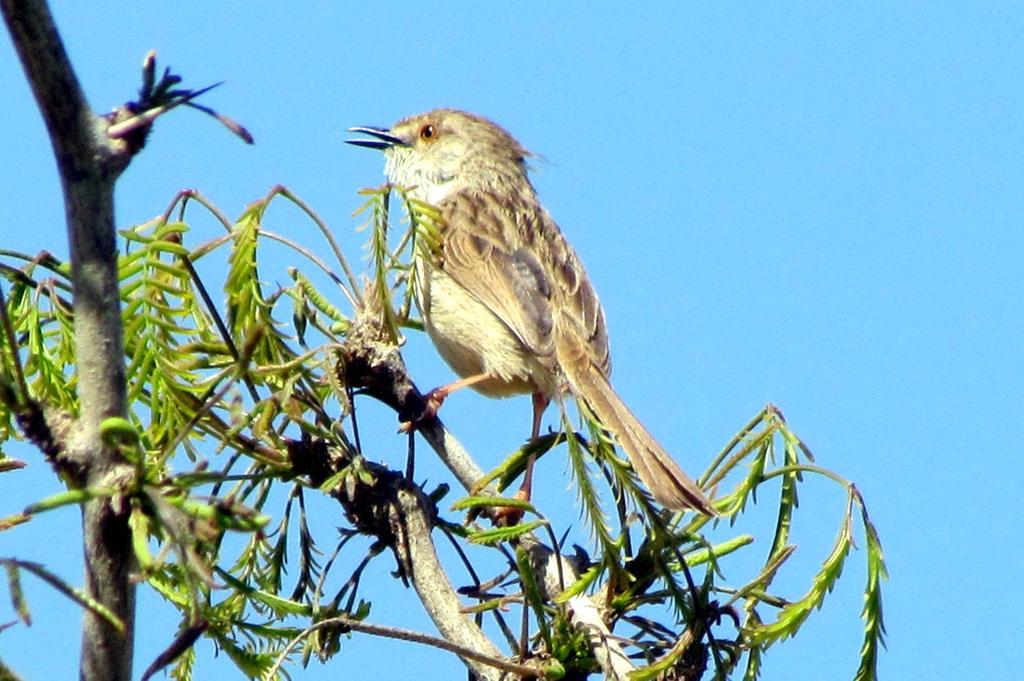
x: 432, y: 402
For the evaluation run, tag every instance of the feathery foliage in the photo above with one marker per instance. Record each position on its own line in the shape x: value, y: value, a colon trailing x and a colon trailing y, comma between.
x: 239, y: 419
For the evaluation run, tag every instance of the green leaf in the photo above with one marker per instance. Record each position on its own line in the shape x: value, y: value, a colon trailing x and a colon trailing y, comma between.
x: 500, y: 534
x: 874, y: 626
x: 251, y: 663
x: 281, y: 606
x: 788, y: 501
x: 333, y: 481
x: 72, y: 496
x: 6, y: 674
x: 581, y: 584
x: 794, y: 614
x: 493, y: 502
x: 77, y: 595
x: 18, y: 602
x: 701, y: 556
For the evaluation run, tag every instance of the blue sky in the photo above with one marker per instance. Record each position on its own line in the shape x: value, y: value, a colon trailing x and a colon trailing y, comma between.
x: 808, y: 204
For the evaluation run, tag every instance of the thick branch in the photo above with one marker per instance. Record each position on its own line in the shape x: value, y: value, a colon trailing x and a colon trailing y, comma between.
x: 88, y: 164
x: 70, y: 123
x: 374, y: 364
x: 398, y: 513
x: 415, y: 548
x: 552, y: 572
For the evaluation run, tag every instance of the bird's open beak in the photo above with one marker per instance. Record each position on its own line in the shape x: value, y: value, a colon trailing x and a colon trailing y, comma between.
x: 383, y: 138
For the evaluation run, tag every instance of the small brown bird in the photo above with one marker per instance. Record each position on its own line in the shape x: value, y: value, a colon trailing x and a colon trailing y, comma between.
x: 508, y: 303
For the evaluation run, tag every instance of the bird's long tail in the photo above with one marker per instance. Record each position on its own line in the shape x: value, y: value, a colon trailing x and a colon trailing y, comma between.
x: 657, y: 469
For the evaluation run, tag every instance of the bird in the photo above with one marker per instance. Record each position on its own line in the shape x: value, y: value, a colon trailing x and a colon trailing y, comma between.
x: 505, y: 298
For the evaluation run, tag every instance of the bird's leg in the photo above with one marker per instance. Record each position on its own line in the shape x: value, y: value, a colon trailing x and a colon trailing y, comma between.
x: 510, y: 516
x: 540, y: 403
x: 435, y: 398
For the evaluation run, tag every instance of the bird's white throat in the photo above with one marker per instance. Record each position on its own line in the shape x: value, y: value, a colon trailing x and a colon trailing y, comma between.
x: 428, y: 182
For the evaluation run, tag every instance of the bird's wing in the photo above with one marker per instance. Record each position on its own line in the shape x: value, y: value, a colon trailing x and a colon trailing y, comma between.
x: 483, y: 251
x: 511, y: 255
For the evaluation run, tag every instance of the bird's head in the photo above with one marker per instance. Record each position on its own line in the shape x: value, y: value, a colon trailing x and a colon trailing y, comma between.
x: 445, y: 150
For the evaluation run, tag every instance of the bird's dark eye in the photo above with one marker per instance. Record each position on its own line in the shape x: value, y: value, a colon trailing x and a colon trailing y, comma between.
x: 427, y: 132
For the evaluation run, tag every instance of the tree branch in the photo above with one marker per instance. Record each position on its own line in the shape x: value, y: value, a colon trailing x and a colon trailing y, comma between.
x: 401, y: 634
x: 374, y: 364
x: 88, y: 163
x: 415, y: 549
x: 397, y: 512
x: 69, y: 121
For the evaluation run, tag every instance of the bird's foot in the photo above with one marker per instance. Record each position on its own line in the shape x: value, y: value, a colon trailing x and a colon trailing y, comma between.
x: 432, y: 402
x: 506, y: 516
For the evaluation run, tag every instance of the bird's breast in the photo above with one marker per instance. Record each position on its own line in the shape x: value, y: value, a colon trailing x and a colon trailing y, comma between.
x: 473, y: 340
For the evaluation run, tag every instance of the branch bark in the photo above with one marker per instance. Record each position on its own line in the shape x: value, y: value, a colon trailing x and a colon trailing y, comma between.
x: 397, y: 512
x: 416, y: 552
x: 88, y: 163
x: 375, y: 365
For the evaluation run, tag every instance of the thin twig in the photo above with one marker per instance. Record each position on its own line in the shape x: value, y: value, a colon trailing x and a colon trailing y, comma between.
x: 736, y: 439
x: 326, y: 231
x: 353, y: 296
x: 146, y: 118
x: 186, y: 195
x: 403, y: 635
x: 218, y: 321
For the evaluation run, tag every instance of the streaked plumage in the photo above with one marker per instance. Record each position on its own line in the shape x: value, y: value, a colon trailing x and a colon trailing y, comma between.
x: 508, y: 296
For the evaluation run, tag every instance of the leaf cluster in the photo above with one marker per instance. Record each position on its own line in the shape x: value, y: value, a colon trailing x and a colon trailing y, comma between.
x: 237, y: 418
